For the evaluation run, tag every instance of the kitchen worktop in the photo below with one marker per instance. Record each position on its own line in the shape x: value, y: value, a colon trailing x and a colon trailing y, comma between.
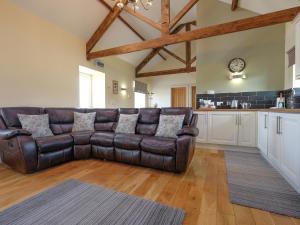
x: 250, y: 110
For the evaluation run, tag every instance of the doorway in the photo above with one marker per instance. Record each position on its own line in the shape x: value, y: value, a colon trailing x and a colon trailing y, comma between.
x: 179, y: 97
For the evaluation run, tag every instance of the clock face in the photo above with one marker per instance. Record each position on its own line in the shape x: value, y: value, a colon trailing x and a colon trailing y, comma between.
x: 237, y: 65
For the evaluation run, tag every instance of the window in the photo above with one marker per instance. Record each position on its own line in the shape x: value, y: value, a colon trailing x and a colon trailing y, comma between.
x: 91, y: 88
x: 296, y: 82
x: 139, y: 100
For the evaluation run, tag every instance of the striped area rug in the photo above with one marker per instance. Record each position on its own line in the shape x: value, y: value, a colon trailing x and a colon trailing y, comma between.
x: 74, y: 202
x: 253, y: 182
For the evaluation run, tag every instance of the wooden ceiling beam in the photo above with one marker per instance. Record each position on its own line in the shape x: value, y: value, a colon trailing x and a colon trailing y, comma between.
x: 104, y: 3
x: 109, y: 19
x: 188, y: 48
x: 165, y: 17
x: 182, y: 13
x: 143, y: 18
x: 234, y: 5
x: 193, y: 60
x: 174, y: 55
x: 216, y: 30
x: 155, y: 51
x: 166, y: 72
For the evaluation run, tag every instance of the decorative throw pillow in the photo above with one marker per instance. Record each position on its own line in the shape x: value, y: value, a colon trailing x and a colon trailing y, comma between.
x: 84, y: 121
x: 38, y: 125
x: 127, y: 123
x: 169, y: 125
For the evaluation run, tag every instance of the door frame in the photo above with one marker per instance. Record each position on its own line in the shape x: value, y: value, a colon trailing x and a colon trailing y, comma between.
x: 189, y: 93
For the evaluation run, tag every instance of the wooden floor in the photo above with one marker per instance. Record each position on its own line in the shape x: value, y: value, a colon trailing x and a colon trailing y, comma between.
x: 202, y: 191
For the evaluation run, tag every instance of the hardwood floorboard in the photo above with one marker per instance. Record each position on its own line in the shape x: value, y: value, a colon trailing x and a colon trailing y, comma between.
x: 202, y: 192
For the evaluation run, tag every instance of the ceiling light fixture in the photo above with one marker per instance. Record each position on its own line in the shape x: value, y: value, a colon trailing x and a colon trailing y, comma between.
x: 146, y: 4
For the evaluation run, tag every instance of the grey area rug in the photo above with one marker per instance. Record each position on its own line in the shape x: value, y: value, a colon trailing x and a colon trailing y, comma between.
x: 253, y: 182
x: 73, y: 202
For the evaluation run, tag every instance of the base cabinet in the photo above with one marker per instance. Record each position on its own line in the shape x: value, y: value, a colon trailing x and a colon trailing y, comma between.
x: 222, y: 128
x: 227, y: 128
x: 202, y: 126
x: 262, y: 132
x: 284, y: 145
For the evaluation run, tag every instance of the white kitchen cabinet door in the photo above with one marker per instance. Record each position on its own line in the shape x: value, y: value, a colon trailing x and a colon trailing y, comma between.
x: 247, y: 129
x: 222, y: 128
x: 274, y: 139
x: 262, y: 129
x: 202, y: 126
x: 290, y: 151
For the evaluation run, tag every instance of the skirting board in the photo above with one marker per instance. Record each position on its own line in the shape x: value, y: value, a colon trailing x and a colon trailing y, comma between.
x: 226, y: 147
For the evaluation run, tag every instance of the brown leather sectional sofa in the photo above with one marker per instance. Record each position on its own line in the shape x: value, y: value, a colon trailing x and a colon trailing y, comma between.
x: 26, y: 155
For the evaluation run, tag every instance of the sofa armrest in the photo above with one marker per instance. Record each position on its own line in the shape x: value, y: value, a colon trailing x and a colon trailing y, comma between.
x: 191, y: 131
x: 11, y: 133
x: 185, y: 152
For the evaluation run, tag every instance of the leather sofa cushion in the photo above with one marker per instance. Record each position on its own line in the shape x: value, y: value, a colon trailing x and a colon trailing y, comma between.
x: 159, y: 145
x: 128, y: 141
x: 105, y: 115
x: 146, y: 129
x: 188, y: 112
x: 106, y: 119
x: 62, y: 119
x: 82, y: 137
x: 54, y: 143
x: 10, y: 114
x: 103, y: 139
x: 128, y: 111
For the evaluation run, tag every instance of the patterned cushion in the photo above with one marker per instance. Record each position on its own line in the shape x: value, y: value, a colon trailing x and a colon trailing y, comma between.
x: 127, y: 123
x: 84, y: 121
x: 169, y: 125
x: 38, y: 125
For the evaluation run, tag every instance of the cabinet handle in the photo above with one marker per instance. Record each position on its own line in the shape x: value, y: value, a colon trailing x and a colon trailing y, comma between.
x: 236, y: 120
x: 279, y: 125
x: 240, y: 119
x: 266, y: 122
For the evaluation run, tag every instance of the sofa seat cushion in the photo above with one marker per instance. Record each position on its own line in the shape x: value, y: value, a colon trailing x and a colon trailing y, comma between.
x: 103, y: 139
x: 128, y: 141
x: 159, y: 145
x: 82, y: 137
x: 54, y: 143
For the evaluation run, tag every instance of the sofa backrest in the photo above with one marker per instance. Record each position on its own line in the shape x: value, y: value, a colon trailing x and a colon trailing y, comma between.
x: 148, y: 121
x: 188, y: 112
x: 61, y: 119
x: 10, y: 115
x: 106, y: 119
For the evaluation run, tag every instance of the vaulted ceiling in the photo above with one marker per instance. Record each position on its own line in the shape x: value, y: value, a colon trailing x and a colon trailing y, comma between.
x: 82, y: 17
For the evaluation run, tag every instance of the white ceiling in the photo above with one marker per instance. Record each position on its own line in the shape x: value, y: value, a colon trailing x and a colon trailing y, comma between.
x: 82, y: 17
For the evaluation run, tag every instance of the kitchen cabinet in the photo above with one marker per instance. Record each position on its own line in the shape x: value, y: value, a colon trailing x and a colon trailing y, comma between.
x: 227, y: 128
x: 202, y: 126
x: 284, y: 145
x: 247, y: 129
x: 289, y: 127
x: 262, y: 132
x: 223, y: 128
x: 274, y: 140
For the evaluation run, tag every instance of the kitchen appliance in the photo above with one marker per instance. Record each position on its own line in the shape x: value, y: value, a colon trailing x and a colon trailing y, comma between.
x: 234, y: 104
x: 246, y: 105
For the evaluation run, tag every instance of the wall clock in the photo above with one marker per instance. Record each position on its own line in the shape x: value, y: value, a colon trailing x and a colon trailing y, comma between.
x: 237, y: 65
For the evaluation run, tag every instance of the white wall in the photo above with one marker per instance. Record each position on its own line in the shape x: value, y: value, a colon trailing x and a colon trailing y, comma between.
x: 39, y: 63
x: 161, y: 87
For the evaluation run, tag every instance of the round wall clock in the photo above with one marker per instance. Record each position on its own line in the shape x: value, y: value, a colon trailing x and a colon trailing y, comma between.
x: 237, y: 65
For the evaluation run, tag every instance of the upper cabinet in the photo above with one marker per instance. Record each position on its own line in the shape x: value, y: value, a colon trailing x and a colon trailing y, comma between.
x: 297, y: 46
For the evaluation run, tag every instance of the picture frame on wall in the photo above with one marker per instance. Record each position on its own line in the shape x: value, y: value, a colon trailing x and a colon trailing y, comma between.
x: 115, y: 85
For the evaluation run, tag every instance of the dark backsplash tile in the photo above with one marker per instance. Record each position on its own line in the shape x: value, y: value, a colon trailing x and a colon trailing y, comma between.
x: 258, y: 100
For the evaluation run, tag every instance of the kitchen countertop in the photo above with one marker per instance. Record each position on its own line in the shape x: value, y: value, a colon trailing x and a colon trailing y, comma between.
x: 249, y: 110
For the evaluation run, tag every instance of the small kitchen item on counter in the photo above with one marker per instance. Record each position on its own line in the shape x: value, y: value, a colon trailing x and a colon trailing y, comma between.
x: 280, y: 102
x: 234, y: 104
x: 246, y: 105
